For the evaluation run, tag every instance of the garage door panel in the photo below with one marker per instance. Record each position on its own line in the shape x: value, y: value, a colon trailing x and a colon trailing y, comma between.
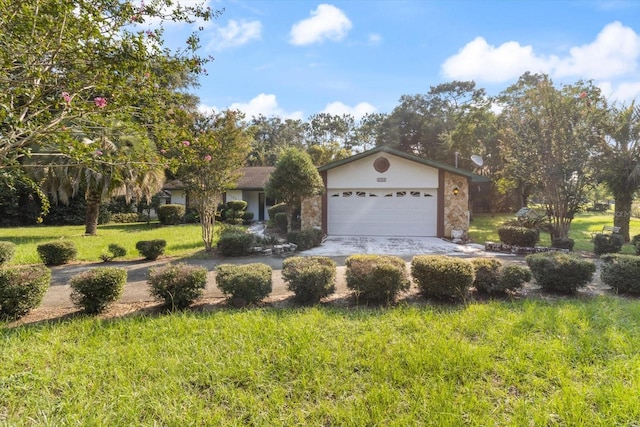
x: 382, y: 212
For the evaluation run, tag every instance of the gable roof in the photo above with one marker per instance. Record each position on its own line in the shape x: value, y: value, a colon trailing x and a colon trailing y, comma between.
x: 253, y: 178
x: 474, y: 177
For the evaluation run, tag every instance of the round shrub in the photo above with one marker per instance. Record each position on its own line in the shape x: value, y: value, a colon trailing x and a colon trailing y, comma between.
x: 237, y: 205
x: 607, y: 243
x: 22, y: 289
x: 487, y: 273
x: 306, y: 239
x: 310, y: 278
x: 512, y: 277
x: 563, y: 243
x: 559, y: 271
x: 95, y: 289
x: 177, y: 285
x: 441, y: 276
x: 170, y: 214
x: 235, y: 241
x: 247, y: 216
x: 377, y: 278
x: 57, y: 253
x: 116, y: 250
x: 635, y: 241
x: 250, y: 283
x: 276, y: 209
x: 151, y: 249
x: 621, y: 272
x: 7, y: 250
x: 518, y: 236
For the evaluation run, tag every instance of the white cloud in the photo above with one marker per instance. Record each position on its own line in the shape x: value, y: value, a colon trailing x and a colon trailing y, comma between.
x: 624, y: 92
x: 338, y: 108
x: 614, y: 53
x: 235, y: 34
x: 264, y: 104
x: 375, y: 38
x: 326, y: 22
x: 480, y: 61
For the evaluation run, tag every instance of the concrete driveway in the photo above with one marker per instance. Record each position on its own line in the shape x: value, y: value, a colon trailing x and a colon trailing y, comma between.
x: 335, y: 246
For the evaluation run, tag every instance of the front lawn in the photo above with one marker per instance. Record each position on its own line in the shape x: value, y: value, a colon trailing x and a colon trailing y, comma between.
x: 182, y: 240
x: 535, y: 363
x: 484, y: 227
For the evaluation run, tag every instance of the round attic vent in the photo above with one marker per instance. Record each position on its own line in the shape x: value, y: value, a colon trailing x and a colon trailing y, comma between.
x: 381, y: 164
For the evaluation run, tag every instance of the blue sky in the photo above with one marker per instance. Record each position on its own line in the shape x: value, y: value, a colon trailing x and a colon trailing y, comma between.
x: 295, y: 58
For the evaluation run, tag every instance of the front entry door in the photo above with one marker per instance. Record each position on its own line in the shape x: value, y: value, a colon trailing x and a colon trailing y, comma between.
x: 261, y: 206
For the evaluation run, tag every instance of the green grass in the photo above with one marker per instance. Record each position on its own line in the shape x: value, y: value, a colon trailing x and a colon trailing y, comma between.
x: 533, y: 363
x: 484, y: 227
x: 182, y: 240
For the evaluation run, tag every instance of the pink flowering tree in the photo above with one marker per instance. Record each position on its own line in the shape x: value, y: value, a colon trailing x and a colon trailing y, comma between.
x: 68, y: 65
x: 206, y: 158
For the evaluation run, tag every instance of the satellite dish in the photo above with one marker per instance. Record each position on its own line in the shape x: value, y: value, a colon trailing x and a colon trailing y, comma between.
x: 477, y: 160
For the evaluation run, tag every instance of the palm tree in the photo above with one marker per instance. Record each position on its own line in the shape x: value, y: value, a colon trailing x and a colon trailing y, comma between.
x: 619, y: 167
x: 121, y: 162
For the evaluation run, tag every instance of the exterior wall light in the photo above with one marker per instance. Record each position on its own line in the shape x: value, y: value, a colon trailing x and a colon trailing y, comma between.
x: 456, y: 190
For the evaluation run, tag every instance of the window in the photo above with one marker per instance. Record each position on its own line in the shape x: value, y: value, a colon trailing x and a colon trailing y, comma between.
x: 347, y: 193
x: 415, y: 194
x: 401, y: 193
x: 335, y: 195
x: 361, y: 194
x: 373, y: 195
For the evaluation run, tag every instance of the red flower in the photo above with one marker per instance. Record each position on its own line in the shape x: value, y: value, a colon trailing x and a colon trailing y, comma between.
x: 66, y: 97
x: 100, y: 101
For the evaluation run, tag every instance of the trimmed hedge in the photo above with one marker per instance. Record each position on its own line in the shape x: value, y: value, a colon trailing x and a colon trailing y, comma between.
x: 492, y: 276
x: 635, y: 241
x: 95, y: 289
x: 171, y: 214
x: 249, y: 283
x: 621, y: 272
x: 377, y: 278
x: 607, y: 243
x: 559, y: 271
x: 22, y: 289
x: 563, y: 243
x: 235, y: 241
x: 115, y: 251
x: 125, y: 218
x: 518, y: 236
x: 151, y: 249
x: 177, y: 285
x: 310, y: 278
x: 57, y: 253
x: 306, y: 239
x: 441, y: 276
x: 7, y: 250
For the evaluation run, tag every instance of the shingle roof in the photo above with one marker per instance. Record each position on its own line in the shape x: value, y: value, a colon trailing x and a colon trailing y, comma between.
x: 253, y: 178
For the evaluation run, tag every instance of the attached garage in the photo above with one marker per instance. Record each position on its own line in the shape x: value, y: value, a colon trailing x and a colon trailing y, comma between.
x: 389, y: 212
x: 385, y: 192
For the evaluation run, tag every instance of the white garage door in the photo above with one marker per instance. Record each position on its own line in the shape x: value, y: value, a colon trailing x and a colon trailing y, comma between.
x: 400, y: 212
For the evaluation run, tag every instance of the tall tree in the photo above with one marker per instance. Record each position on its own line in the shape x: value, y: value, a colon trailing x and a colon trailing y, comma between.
x: 207, y: 161
x: 124, y: 162
x: 68, y: 60
x: 548, y: 136
x: 271, y: 136
x: 619, y: 166
x: 294, y: 179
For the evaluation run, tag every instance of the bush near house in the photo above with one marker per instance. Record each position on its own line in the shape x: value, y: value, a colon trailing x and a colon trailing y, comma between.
x: 310, y: 278
x: 151, y: 249
x: 306, y: 239
x: 621, y: 272
x: 559, y: 271
x: 126, y: 218
x: 171, y: 214
x: 635, y: 241
x: 563, y: 243
x: 518, y: 236
x: 57, y: 253
x: 376, y: 278
x: 246, y: 283
x: 22, y: 289
x: 95, y: 289
x: 441, y: 276
x: 607, y: 243
x: 234, y: 212
x: 492, y: 276
x: 7, y: 250
x: 179, y: 285
x: 235, y: 241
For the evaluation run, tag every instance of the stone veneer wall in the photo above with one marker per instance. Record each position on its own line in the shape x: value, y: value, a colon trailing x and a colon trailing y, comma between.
x: 311, y: 213
x: 456, y: 208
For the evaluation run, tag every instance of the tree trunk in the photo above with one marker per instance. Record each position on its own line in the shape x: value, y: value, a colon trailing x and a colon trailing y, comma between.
x: 622, y: 214
x: 288, y: 210
x: 93, y: 200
